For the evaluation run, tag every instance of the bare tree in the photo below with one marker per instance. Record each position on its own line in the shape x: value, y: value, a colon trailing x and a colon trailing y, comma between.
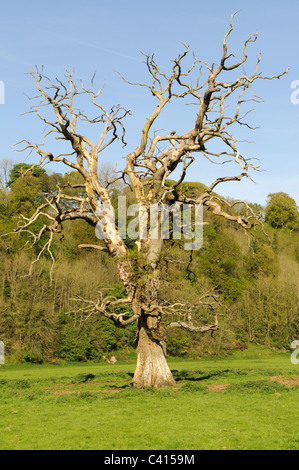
x: 208, y: 90
x: 108, y: 179
x: 6, y: 166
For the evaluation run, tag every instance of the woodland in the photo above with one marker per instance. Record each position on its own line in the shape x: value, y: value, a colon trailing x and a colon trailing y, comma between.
x: 257, y: 279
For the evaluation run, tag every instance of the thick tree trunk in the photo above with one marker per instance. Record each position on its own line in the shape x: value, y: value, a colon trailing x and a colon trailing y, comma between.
x: 152, y: 369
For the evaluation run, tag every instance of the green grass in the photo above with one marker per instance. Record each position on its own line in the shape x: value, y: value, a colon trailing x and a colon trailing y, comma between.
x: 92, y: 406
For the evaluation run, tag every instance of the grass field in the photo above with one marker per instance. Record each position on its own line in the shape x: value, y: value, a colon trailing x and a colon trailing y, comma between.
x: 247, y: 401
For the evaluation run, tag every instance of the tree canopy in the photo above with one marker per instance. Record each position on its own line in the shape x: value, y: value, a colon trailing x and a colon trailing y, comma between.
x: 282, y: 211
x: 21, y: 169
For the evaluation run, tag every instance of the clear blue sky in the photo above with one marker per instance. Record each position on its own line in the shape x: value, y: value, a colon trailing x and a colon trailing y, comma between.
x: 96, y: 35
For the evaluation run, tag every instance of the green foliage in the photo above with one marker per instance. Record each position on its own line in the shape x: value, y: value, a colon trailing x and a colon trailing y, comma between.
x: 178, y: 344
x: 262, y: 261
x: 118, y: 291
x: 95, y: 338
x: 20, y: 169
x: 221, y: 260
x: 76, y: 344
x: 25, y: 195
x: 256, y: 280
x: 282, y: 211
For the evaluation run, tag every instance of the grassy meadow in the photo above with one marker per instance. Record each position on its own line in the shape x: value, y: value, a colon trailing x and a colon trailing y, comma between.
x: 246, y: 401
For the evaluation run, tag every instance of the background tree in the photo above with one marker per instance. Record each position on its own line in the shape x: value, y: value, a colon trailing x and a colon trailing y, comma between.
x: 23, y: 169
x: 148, y: 167
x: 282, y: 211
x: 6, y: 166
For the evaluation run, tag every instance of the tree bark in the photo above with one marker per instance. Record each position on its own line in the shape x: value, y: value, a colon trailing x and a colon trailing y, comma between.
x: 152, y: 369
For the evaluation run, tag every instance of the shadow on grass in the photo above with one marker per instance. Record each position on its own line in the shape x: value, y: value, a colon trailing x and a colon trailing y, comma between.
x: 198, y: 376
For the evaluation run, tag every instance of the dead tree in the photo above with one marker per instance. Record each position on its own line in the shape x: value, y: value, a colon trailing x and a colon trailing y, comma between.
x: 208, y: 90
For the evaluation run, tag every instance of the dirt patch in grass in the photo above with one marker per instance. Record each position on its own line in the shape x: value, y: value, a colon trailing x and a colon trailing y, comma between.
x: 287, y: 381
x: 89, y: 384
x: 217, y: 387
x: 61, y: 392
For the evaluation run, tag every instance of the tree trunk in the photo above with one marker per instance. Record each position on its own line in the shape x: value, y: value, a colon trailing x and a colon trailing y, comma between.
x: 152, y: 369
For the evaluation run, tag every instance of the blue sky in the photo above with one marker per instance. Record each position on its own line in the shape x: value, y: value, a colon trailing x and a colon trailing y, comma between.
x: 107, y: 36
